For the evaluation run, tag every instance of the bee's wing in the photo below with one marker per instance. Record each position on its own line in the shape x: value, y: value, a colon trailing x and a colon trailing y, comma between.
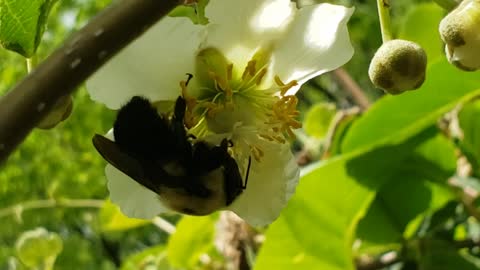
x: 123, y: 161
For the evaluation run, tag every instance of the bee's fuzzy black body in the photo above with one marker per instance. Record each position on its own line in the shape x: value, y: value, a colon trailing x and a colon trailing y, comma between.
x: 191, y: 176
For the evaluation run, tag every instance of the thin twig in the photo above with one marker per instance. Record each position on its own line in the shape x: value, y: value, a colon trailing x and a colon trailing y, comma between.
x: 50, y: 203
x: 83, y: 53
x: 163, y: 225
x: 352, y: 87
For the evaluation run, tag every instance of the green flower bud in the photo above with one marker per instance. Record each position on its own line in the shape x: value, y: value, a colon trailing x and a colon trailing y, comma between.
x: 60, y: 111
x: 460, y: 30
x: 398, y: 66
x: 38, y: 248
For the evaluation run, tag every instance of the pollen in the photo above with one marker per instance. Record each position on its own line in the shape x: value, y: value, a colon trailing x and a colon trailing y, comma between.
x: 283, y: 118
x: 249, y: 97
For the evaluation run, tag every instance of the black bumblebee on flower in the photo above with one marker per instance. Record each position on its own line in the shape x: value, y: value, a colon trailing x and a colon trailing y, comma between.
x: 190, y: 176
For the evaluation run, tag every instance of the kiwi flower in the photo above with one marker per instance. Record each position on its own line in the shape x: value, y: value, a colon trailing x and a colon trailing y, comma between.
x: 247, y: 64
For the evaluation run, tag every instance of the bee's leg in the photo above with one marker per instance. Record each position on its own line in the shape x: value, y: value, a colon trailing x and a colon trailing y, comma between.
x: 248, y: 172
x: 179, y: 110
x: 189, y: 77
x: 233, y: 180
x: 178, y: 129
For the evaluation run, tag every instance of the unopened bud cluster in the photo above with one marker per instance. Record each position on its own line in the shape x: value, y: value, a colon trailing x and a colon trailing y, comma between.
x: 61, y: 110
x: 460, y: 30
x: 398, y: 66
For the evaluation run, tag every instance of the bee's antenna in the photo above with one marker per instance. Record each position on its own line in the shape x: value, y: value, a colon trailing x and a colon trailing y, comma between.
x: 190, y: 76
x: 248, y: 172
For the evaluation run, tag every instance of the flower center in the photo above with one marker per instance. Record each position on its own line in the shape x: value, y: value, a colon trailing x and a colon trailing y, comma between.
x: 230, y: 97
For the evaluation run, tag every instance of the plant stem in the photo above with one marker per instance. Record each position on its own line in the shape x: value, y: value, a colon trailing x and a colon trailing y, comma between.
x: 31, y: 63
x: 383, y: 7
x: 163, y: 225
x: 355, y: 91
x: 22, y: 108
x: 50, y: 203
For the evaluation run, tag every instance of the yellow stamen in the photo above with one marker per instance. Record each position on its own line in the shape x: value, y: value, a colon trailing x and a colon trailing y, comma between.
x: 284, y: 87
x: 257, y: 152
x: 189, y: 118
x: 229, y: 72
x: 283, y: 118
x: 222, y: 85
x: 260, y: 76
x: 278, y: 81
x: 250, y: 69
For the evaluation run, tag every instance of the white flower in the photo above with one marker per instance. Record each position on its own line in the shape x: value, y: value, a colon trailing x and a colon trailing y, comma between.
x: 247, y: 64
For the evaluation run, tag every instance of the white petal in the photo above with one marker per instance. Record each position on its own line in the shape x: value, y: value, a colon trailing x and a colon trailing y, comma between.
x: 271, y: 184
x: 152, y: 66
x: 134, y: 200
x: 317, y: 42
x: 236, y: 27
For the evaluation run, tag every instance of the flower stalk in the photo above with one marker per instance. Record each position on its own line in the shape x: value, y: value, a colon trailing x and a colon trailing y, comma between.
x: 383, y: 7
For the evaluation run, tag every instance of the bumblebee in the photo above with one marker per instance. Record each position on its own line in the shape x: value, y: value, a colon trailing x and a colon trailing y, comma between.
x: 190, y: 176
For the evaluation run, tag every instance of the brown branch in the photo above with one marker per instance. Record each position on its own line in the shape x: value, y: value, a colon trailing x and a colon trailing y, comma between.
x: 352, y: 87
x: 82, y: 54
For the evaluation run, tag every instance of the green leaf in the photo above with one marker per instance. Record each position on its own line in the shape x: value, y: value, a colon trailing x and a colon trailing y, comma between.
x: 469, y: 121
x: 420, y: 25
x: 153, y: 258
x: 319, y: 222
x: 441, y: 255
x: 415, y: 190
x: 195, y: 12
x: 395, y: 118
x: 332, y: 210
x: 22, y: 23
x: 111, y: 219
x: 192, y: 238
x: 318, y: 119
x: 436, y: 159
x: 341, y: 130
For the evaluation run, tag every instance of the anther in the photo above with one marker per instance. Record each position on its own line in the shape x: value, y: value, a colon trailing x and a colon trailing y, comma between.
x: 229, y: 72
x: 250, y: 69
x: 260, y: 76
